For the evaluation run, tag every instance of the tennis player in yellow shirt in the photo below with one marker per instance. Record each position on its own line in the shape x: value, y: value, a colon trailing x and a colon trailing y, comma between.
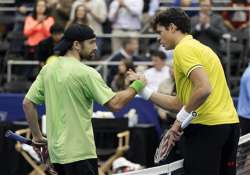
x: 211, y: 140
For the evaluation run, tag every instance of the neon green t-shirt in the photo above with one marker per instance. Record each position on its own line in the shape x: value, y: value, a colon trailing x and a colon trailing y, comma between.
x: 68, y: 89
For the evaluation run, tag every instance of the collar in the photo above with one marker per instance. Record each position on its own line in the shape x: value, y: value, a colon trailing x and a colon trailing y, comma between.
x: 185, y: 38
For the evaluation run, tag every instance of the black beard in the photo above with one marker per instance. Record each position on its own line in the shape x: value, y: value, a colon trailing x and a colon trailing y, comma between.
x: 85, y: 57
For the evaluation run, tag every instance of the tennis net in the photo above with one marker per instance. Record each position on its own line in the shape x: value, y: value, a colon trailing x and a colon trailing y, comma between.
x: 176, y: 168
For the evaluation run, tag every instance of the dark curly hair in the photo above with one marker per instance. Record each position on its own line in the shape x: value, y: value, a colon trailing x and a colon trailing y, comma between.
x: 174, y: 16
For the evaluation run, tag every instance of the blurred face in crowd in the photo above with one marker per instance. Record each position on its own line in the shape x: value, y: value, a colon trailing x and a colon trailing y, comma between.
x: 57, y: 36
x: 205, y: 6
x: 132, y: 46
x: 158, y: 63
x: 122, y: 67
x: 167, y: 35
x: 88, y: 48
x: 41, y: 7
x: 80, y: 12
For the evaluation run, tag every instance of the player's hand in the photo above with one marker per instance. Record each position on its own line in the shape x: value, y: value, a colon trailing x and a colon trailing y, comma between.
x: 41, y: 148
x: 131, y: 76
x: 176, y: 131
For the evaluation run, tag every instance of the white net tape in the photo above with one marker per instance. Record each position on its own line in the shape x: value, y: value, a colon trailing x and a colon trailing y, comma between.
x: 243, y: 162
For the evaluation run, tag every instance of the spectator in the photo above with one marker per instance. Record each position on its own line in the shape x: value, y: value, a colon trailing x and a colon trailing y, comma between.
x: 60, y: 10
x: 37, y: 27
x: 244, y: 102
x: 120, y: 82
x: 187, y: 3
x: 21, y: 13
x: 45, y: 47
x: 96, y: 16
x: 167, y: 86
x: 208, y: 27
x: 159, y: 72
x: 149, y: 9
x: 96, y: 13
x: 80, y: 16
x: 125, y: 16
x: 128, y: 51
x: 237, y: 20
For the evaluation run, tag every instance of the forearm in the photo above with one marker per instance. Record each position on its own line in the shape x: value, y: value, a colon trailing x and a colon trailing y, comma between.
x: 32, y: 118
x: 121, y: 99
x: 133, y: 10
x: 30, y: 29
x: 98, y: 17
x: 198, y: 97
x: 167, y: 102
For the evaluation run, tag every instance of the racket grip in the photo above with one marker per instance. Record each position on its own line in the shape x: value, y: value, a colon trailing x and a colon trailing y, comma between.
x: 188, y: 120
x: 11, y: 135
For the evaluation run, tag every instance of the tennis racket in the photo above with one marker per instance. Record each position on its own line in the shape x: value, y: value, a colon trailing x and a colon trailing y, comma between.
x: 165, y: 147
x: 40, y: 148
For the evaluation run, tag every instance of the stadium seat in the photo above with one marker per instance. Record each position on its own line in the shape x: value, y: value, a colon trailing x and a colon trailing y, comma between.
x: 29, y: 155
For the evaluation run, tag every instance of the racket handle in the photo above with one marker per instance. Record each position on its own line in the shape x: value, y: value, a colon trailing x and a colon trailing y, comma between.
x: 188, y: 120
x: 11, y: 135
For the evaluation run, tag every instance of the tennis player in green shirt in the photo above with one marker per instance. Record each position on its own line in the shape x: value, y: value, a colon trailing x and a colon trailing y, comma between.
x: 68, y: 88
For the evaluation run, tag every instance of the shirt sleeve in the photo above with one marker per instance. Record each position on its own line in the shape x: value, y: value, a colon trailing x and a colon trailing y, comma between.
x: 98, y: 89
x: 36, y: 91
x: 187, y: 59
x: 114, y: 6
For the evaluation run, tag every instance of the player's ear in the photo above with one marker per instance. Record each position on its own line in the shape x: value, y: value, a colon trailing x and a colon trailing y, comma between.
x: 76, y: 45
x: 172, y: 27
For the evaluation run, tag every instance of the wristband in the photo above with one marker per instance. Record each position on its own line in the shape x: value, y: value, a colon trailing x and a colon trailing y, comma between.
x: 137, y: 85
x: 182, y: 115
x: 188, y: 120
x: 146, y: 93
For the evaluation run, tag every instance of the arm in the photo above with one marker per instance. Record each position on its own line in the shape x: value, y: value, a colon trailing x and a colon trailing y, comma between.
x: 46, y: 25
x: 229, y: 25
x: 32, y: 117
x: 34, y: 96
x: 201, y: 89
x: 217, y: 28
x: 113, y: 11
x: 134, y: 8
x: 167, y: 102
x: 100, y: 14
x: 121, y: 99
x: 30, y: 26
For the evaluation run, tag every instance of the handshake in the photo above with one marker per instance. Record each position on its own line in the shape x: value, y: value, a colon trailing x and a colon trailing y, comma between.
x: 145, y: 92
x: 183, y: 118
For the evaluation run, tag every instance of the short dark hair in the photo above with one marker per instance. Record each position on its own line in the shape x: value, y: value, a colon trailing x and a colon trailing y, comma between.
x: 159, y: 54
x: 175, y: 16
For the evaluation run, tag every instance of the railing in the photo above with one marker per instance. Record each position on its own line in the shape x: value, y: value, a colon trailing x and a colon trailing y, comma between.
x: 105, y: 65
x: 7, y: 1
x: 149, y: 36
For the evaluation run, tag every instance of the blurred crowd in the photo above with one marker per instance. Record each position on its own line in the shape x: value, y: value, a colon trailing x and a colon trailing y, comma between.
x: 38, y: 25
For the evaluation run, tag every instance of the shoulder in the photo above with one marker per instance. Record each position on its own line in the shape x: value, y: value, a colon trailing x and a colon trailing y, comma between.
x: 50, y: 19
x: 117, y: 56
x: 189, y: 46
x: 89, y: 71
x: 29, y: 18
x: 149, y: 71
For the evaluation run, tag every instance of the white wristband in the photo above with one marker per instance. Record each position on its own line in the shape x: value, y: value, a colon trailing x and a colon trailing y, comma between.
x: 182, y: 114
x: 146, y: 93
